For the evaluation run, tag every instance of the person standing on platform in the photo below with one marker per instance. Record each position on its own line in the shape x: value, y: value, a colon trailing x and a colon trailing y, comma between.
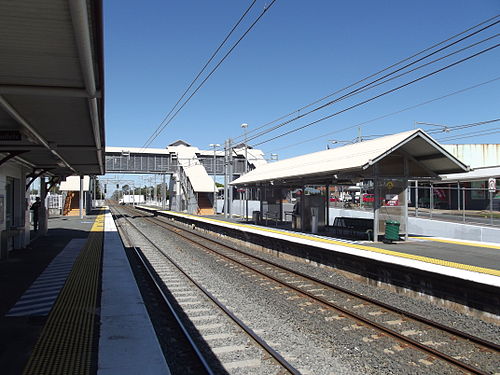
x: 35, y: 207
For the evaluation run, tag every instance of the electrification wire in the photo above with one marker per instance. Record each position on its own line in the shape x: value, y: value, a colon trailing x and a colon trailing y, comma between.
x: 468, y: 135
x: 212, y: 71
x: 461, y: 127
x: 203, y: 69
x: 355, y: 92
x: 380, y: 95
x: 420, y: 66
x: 386, y: 115
x: 383, y: 70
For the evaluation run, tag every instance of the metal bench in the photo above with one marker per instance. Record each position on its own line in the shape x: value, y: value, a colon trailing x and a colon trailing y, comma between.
x: 353, y: 228
x: 271, y: 215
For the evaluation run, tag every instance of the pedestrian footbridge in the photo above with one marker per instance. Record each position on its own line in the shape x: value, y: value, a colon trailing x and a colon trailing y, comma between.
x: 191, y: 170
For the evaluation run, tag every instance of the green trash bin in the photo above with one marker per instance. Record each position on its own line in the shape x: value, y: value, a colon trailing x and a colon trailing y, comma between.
x: 391, y: 230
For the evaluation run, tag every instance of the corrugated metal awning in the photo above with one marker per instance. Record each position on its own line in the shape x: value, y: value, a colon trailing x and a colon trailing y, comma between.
x: 478, y: 174
x: 52, y: 84
x: 426, y: 157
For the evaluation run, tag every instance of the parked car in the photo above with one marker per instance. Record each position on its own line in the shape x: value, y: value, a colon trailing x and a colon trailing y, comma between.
x: 368, y: 198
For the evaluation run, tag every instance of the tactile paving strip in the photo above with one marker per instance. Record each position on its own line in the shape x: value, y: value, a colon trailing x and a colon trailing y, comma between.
x: 65, y: 344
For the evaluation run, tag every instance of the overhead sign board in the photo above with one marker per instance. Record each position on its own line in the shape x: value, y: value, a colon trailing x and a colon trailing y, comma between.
x: 10, y: 135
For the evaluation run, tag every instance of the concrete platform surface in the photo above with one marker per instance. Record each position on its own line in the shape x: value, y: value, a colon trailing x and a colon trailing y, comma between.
x: 127, y: 342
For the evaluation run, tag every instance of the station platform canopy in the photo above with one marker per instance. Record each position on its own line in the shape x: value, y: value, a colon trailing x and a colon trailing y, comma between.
x: 478, y: 174
x: 408, y: 155
x: 52, y: 86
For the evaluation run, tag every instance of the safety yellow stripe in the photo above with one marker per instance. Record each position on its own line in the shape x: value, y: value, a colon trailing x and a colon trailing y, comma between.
x: 455, y: 242
x: 65, y: 344
x: 439, y: 262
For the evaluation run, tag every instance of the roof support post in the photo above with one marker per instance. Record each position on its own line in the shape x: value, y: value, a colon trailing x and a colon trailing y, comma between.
x: 376, y: 201
x: 81, y: 197
x: 327, y: 204
x: 43, y: 220
x: 376, y: 208
x: 416, y: 198
x: 405, y: 194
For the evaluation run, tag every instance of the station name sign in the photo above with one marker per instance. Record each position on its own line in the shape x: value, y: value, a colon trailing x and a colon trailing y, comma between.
x: 10, y: 135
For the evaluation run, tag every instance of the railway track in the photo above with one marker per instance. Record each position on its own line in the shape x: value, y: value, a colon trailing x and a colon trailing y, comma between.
x: 211, y: 329
x: 467, y: 353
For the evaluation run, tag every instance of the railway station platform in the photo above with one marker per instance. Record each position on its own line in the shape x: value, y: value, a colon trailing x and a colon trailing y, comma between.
x: 465, y: 272
x: 70, y: 304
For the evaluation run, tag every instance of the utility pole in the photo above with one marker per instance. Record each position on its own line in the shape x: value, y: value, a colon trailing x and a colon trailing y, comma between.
x: 164, y: 192
x: 155, y: 195
x: 231, y: 173
x: 245, y: 126
x: 215, y: 145
x: 226, y: 164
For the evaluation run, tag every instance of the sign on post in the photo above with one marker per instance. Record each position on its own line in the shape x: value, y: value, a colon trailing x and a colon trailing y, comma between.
x: 492, y: 185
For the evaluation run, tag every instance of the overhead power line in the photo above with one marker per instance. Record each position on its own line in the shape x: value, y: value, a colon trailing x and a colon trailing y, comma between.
x: 211, y: 72
x: 448, y: 128
x: 357, y: 91
x: 202, y: 70
x: 366, y: 86
x: 386, y: 115
x: 469, y: 135
x: 380, y: 95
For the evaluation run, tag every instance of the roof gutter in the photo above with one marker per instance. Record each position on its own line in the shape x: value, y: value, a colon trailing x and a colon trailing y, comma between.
x: 16, y: 116
x: 80, y: 20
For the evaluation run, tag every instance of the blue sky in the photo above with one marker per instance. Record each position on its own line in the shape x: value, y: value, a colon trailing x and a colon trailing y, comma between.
x: 297, y: 53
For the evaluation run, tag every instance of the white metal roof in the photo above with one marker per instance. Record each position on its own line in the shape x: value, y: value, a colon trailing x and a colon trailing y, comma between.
x: 72, y: 183
x: 474, y: 175
x: 358, y: 157
x: 137, y: 150
x: 196, y: 172
x: 255, y: 156
x: 52, y: 84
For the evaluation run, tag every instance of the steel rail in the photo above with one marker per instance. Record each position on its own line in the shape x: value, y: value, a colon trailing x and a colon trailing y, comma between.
x: 429, y: 350
x: 165, y: 299
x: 273, y: 353
x: 453, y: 331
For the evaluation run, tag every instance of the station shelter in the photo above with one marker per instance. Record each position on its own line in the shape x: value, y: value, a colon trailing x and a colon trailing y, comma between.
x: 51, y: 104
x: 460, y: 191
x: 385, y: 164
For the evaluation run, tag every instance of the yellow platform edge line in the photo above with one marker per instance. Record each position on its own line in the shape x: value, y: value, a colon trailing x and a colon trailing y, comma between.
x: 440, y: 262
x: 457, y: 242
